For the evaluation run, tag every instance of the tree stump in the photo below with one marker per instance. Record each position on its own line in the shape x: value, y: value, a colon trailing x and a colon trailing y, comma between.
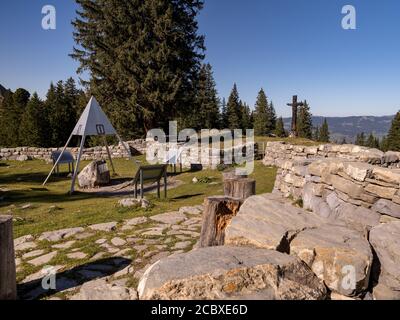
x: 232, y: 174
x: 8, y: 283
x: 218, y: 212
x: 240, y: 188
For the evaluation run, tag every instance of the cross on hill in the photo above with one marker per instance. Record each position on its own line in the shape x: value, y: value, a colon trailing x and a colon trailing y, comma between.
x: 294, y: 105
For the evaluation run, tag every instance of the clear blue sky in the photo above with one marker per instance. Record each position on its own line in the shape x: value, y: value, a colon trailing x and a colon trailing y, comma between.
x: 285, y: 46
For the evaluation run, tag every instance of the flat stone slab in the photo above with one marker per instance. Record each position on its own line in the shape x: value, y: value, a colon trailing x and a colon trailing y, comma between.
x: 182, y: 245
x: 65, y: 245
x: 230, y: 273
x: 154, y: 232
x: 23, y: 239
x: 118, y: 241
x: 385, y: 239
x: 135, y: 221
x: 25, y: 246
x: 102, y: 290
x: 58, y: 235
x: 174, y: 217
x: 77, y: 255
x: 32, y: 254
x: 195, y: 210
x: 269, y: 221
x: 43, y: 259
x: 333, y: 252
x: 109, y: 226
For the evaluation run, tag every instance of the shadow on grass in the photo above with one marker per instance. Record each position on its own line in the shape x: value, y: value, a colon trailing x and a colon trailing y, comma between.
x: 36, y: 196
x: 188, y: 196
x: 36, y: 177
x: 72, y: 278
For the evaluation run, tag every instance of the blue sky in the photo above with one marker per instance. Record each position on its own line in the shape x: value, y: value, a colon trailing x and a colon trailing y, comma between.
x: 285, y: 46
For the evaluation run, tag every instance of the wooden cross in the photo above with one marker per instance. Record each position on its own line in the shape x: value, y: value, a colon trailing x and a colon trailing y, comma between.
x: 294, y: 106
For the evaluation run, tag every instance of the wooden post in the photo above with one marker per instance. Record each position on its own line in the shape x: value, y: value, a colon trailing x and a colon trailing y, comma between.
x: 240, y: 188
x: 8, y: 282
x: 141, y: 184
x: 218, y: 212
x: 165, y: 184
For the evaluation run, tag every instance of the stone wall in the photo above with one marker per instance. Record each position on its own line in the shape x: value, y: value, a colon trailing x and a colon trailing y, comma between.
x: 208, y: 157
x: 341, y: 183
x: 117, y: 151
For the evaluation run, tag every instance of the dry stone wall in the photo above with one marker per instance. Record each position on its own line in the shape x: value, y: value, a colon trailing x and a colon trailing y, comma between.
x: 117, y: 151
x: 351, y: 186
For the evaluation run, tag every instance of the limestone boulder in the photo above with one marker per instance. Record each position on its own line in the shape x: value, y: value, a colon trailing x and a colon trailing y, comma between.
x: 228, y: 272
x: 337, y: 255
x: 358, y: 218
x: 269, y: 221
x: 387, y: 175
x: 358, y: 170
x: 387, y: 207
x: 385, y: 239
x: 329, y: 166
x: 95, y: 174
x: 101, y: 289
x: 391, y: 157
x: 381, y: 191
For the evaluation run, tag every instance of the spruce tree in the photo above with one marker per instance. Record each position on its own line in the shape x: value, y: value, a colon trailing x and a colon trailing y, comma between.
x: 261, y: 115
x: 360, y: 139
x: 143, y: 57
x: 14, y: 106
x: 280, y: 128
x: 271, y: 118
x: 34, y: 124
x: 224, y: 123
x: 393, y: 138
x: 233, y: 109
x: 246, y: 117
x: 6, y: 107
x: 324, y: 135
x: 207, y: 101
x: 316, y: 136
x: 304, y: 122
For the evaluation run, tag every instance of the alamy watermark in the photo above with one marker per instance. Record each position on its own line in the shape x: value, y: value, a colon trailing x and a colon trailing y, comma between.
x: 349, y: 21
x: 49, y: 20
x: 212, y: 147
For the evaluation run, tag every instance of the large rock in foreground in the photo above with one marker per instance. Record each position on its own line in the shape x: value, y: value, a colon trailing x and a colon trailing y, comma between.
x: 95, y: 174
x: 230, y: 273
x: 339, y: 256
x: 385, y: 240
x: 269, y: 221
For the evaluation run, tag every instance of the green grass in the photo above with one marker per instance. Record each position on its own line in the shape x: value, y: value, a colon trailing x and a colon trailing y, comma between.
x: 52, y: 208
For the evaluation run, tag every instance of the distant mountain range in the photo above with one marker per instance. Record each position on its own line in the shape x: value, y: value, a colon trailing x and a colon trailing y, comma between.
x: 349, y: 127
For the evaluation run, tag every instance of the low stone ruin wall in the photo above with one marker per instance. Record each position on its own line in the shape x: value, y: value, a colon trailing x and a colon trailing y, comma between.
x: 208, y: 157
x: 117, y: 151
x: 277, y: 151
x: 360, y: 190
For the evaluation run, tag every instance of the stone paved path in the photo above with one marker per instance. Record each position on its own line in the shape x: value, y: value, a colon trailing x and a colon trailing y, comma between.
x: 103, y: 261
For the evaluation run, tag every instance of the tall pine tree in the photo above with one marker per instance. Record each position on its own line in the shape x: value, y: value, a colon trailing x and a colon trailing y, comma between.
x: 324, y: 135
x: 393, y: 138
x: 233, y: 109
x: 34, y: 127
x: 271, y: 119
x: 280, y: 128
x: 261, y: 115
x: 304, y: 122
x: 143, y: 58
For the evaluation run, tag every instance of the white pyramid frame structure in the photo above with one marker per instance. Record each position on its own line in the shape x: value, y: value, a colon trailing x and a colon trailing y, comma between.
x: 93, y: 122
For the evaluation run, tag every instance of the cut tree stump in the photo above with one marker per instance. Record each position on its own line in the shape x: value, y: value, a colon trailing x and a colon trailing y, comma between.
x: 218, y: 212
x: 240, y: 188
x: 232, y: 174
x: 8, y: 282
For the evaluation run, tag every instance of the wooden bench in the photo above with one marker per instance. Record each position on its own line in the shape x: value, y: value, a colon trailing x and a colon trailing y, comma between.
x: 66, y: 158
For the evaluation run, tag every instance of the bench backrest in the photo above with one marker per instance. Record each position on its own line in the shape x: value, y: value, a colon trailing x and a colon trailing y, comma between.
x: 67, y: 157
x: 151, y: 172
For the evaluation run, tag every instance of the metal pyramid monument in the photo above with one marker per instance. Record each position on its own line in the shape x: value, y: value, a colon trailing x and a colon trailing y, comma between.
x: 93, y: 121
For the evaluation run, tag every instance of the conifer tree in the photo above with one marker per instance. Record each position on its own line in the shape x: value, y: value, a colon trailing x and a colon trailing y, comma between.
x: 234, y: 109
x: 280, y: 128
x: 304, y: 122
x: 324, y: 135
x: 224, y: 115
x: 271, y: 118
x: 207, y: 101
x: 393, y: 138
x: 245, y: 117
x: 261, y: 115
x: 360, y: 139
x: 13, y: 106
x: 143, y: 58
x: 33, y: 131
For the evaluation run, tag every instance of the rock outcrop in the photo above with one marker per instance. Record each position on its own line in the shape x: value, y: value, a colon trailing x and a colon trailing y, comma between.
x: 228, y: 272
x: 95, y: 174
